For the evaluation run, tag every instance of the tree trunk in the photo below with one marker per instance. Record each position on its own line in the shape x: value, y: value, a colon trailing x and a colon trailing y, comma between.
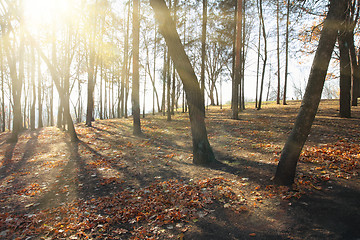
x: 153, y: 81
x: 286, y: 168
x: 124, y: 75
x: 91, y: 83
x: 261, y: 17
x: 258, y: 67
x: 278, y: 51
x: 355, y: 74
x: 237, y: 69
x: 147, y: 62
x: 202, y: 151
x: 127, y: 88
x: 135, y: 82
x: 163, y: 100
x: 168, y: 86
x: 16, y: 82
x: 345, y: 74
x: 101, y: 113
x: 51, y: 110
x: 173, y: 91
x: 203, y: 47
x: 33, y: 104
x: 155, y: 94
x: 3, y: 122
x: 40, y: 120
x: 63, y: 89
x: 286, y: 51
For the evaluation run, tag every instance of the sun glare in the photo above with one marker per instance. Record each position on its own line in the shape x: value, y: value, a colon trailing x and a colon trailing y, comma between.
x: 42, y: 12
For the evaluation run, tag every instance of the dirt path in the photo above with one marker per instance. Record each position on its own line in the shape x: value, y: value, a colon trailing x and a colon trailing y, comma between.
x: 116, y: 186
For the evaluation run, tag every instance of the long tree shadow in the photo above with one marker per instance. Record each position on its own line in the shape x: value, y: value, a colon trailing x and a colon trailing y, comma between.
x: 10, y: 164
x: 230, y: 225
x: 75, y: 181
x: 330, y: 214
x: 127, y: 173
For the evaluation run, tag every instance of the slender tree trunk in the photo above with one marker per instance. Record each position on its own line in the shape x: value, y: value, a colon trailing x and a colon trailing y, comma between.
x: 153, y: 80
x: 51, y: 110
x: 168, y: 86
x: 202, y: 151
x: 173, y: 91
x: 124, y: 75
x: 258, y: 67
x: 101, y: 113
x: 155, y: 94
x: 135, y: 82
x: 147, y: 62
x: 285, y: 172
x: 127, y: 88
x: 269, y: 85
x: 203, y: 47
x: 33, y: 104
x: 105, y: 106
x: 164, y: 85
x: 236, y: 82
x: 220, y: 93
x: 40, y: 120
x: 278, y: 50
x: 261, y: 16
x: 355, y: 80
x: 91, y: 83
x: 16, y: 83
x: 242, y: 79
x: 286, y: 51
x: 234, y: 101
x: 3, y: 122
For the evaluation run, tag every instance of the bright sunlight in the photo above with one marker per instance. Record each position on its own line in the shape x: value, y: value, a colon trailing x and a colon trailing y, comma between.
x: 43, y: 12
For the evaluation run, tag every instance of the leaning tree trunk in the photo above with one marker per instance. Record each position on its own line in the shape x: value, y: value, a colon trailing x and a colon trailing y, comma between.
x: 286, y: 168
x: 202, y: 151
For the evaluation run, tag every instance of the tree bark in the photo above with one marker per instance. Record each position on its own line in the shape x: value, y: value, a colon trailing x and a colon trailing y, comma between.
x: 203, y: 48
x: 355, y: 72
x: 261, y: 17
x: 286, y: 51
x: 135, y: 82
x: 286, y: 168
x: 40, y: 120
x: 33, y: 104
x: 3, y: 122
x: 278, y: 51
x: 163, y: 100
x: 16, y: 81
x: 202, y: 152
x: 237, y: 69
x: 345, y: 74
x: 91, y: 83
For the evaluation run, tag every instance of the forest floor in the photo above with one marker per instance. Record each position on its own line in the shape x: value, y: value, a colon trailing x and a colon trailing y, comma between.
x: 112, y: 185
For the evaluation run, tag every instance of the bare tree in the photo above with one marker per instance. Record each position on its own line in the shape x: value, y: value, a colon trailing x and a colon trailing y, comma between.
x: 202, y: 151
